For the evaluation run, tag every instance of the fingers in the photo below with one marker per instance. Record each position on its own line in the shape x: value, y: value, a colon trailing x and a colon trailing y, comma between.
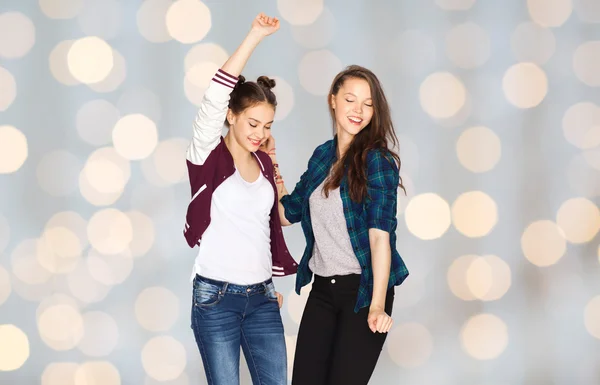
x: 279, y: 299
x: 380, y: 323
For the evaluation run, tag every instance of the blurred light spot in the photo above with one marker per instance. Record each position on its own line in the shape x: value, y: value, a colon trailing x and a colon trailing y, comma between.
x: 581, y: 125
x: 592, y: 157
x: 109, y: 231
x: 317, y: 69
x: 525, y: 85
x: 169, y: 160
x: 488, y: 278
x: 90, y: 59
x: 318, y: 34
x: 8, y: 89
x: 100, y: 336
x: 53, y: 300
x: 531, y: 42
x: 205, y: 52
x: 110, y: 270
x: 59, y: 250
x: 95, y: 121
x: 579, y: 218
x: 188, y: 21
x: 151, y: 20
x: 164, y: 358
x: 33, y: 292
x: 468, y: 45
x: 478, y: 149
x: 135, y: 136
x: 457, y: 277
x: 300, y: 12
x: 592, y: 317
x: 474, y: 214
x: 140, y: 100
x: 285, y: 98
x: 588, y: 10
x: 25, y: 265
x: 61, y: 9
x: 84, y: 287
x: 14, y: 348
x: 296, y: 303
x: 543, y: 243
x: 197, y: 79
x: 582, y: 177
x: 484, y: 337
x: 181, y: 380
x: 410, y: 345
x: 104, y: 176
x: 442, y: 95
x: 157, y: 309
x: 59, y: 65
x: 427, y: 216
x: 460, y: 118
x: 586, y: 62
x: 101, y: 18
x: 97, y: 373
x: 61, y: 327
x: 104, y: 182
x: 57, y: 173
x: 414, y: 52
x: 17, y: 35
x: 5, y: 288
x: 4, y: 233
x: 115, y: 78
x: 143, y: 233
x: 59, y: 373
x: 455, y: 5
x: 13, y: 149
x: 550, y: 13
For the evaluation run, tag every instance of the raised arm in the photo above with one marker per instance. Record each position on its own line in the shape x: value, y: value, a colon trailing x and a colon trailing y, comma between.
x: 208, y: 124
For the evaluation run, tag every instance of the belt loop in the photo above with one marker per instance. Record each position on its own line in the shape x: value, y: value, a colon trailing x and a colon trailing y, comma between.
x: 224, y: 289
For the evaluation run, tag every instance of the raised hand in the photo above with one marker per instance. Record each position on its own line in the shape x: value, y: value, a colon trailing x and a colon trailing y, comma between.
x: 268, y: 146
x: 265, y: 25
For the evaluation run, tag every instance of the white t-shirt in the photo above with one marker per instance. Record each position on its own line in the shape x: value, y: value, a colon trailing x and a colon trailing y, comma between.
x: 236, y: 246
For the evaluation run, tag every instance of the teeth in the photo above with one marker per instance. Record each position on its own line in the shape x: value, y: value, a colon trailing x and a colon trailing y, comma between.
x: 355, y: 120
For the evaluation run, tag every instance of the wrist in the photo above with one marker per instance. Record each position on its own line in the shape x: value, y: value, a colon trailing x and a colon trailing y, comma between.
x: 376, y: 306
x: 255, y: 35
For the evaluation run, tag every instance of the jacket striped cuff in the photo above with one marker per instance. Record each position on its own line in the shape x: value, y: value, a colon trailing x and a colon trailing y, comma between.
x: 225, y: 79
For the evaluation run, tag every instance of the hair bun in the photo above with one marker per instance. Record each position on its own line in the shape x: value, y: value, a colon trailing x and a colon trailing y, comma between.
x: 241, y: 80
x: 266, y: 82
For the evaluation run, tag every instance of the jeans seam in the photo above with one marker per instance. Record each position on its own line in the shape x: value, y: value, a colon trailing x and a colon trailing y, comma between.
x: 251, y: 358
x: 203, y: 352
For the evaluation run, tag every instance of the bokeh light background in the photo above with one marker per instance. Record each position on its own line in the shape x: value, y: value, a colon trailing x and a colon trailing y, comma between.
x: 497, y: 106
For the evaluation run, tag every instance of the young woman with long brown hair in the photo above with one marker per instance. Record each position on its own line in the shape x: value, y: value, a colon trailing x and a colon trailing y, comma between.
x: 346, y: 201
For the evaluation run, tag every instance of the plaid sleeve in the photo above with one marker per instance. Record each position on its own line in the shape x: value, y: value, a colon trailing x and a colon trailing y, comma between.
x: 292, y: 203
x: 382, y: 188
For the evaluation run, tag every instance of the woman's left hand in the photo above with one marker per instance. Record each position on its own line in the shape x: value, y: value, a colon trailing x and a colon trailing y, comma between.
x: 379, y: 321
x: 279, y: 299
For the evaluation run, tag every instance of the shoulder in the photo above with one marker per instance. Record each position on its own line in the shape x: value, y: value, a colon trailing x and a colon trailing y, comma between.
x: 264, y: 158
x: 383, y: 157
x: 324, y: 149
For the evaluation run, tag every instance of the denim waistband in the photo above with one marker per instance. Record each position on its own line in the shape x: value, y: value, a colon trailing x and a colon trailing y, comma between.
x: 227, y: 287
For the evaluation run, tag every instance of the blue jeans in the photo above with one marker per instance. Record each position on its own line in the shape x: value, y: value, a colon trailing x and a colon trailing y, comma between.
x: 226, y: 316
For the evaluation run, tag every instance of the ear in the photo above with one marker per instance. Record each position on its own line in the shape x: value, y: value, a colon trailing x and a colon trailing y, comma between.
x: 332, y: 96
x: 230, y: 117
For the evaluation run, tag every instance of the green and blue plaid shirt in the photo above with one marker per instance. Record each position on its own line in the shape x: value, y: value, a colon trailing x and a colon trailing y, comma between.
x: 377, y: 211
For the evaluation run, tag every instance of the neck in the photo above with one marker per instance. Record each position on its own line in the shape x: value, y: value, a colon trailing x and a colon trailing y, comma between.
x: 343, y: 141
x: 238, y: 153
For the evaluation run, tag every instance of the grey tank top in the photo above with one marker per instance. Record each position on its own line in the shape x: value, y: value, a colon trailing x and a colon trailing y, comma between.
x: 332, y: 253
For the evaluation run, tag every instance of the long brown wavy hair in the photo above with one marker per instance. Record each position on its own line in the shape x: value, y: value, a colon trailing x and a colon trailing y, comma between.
x: 377, y: 135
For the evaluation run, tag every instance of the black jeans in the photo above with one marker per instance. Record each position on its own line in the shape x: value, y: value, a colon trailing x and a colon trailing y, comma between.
x: 335, y: 345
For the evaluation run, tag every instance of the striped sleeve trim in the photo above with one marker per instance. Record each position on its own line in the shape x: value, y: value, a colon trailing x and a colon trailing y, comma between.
x: 225, y: 79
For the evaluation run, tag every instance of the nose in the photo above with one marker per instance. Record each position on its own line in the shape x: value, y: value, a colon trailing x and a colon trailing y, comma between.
x: 358, y: 108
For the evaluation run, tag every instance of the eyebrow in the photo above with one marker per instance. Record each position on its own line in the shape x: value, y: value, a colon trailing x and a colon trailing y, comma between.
x: 350, y: 93
x: 258, y: 121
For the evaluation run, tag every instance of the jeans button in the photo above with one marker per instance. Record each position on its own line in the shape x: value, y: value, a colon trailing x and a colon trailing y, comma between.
x: 333, y: 281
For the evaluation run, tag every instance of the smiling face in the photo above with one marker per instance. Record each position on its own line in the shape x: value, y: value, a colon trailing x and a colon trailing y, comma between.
x: 352, y: 106
x: 252, y: 126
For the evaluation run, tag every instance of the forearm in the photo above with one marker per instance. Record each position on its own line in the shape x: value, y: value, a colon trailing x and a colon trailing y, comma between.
x: 281, y: 191
x: 381, y: 261
x: 236, y: 63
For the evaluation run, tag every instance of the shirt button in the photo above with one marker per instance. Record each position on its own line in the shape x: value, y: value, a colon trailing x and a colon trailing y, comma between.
x: 333, y: 281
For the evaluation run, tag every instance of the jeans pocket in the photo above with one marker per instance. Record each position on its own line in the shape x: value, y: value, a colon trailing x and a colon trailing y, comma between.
x: 206, y: 294
x: 270, y: 292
